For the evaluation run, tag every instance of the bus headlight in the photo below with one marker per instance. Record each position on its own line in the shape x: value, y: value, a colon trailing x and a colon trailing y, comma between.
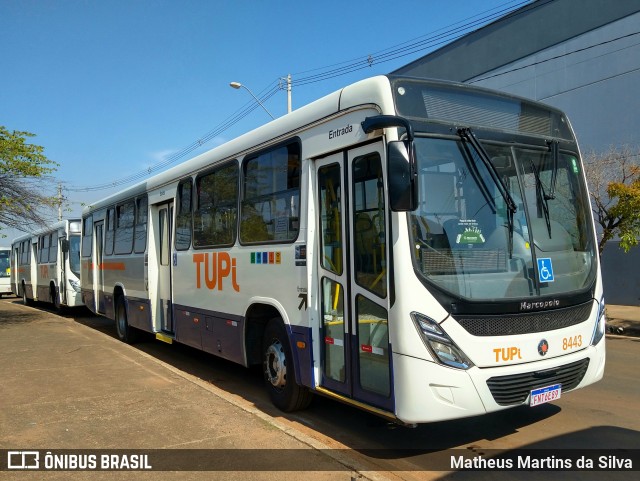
x: 439, y: 342
x: 75, y: 284
x: 601, y: 324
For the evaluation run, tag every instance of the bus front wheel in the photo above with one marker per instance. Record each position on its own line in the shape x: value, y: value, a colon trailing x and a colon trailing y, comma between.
x: 279, y: 370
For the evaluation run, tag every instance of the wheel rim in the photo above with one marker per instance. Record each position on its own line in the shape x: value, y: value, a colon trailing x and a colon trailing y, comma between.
x: 276, y: 365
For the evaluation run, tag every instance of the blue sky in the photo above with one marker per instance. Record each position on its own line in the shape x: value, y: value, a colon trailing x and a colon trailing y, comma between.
x: 113, y: 87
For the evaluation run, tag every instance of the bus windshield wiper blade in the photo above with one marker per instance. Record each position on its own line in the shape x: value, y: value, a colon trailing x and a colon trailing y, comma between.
x: 553, y: 148
x: 467, y: 135
x: 543, y: 198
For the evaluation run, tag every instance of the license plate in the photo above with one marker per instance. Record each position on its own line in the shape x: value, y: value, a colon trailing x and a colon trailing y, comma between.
x: 545, y: 394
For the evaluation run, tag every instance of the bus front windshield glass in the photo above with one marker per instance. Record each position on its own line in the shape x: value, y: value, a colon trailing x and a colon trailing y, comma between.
x: 5, y: 270
x: 466, y: 240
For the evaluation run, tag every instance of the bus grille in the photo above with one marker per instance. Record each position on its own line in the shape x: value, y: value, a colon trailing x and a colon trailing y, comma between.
x: 514, y: 324
x: 514, y: 389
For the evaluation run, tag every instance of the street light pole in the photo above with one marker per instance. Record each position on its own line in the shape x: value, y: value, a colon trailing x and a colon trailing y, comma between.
x: 237, y: 85
x: 289, y: 93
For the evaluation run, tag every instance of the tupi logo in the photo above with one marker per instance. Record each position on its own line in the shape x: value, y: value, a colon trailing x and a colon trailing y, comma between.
x: 507, y: 354
x: 217, y: 266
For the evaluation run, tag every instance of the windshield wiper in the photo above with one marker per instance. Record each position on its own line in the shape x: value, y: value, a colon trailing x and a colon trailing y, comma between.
x: 467, y: 135
x: 553, y: 148
x: 543, y: 198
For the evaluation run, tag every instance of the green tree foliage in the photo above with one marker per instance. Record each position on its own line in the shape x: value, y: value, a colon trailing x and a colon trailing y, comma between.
x: 23, y: 176
x: 614, y: 184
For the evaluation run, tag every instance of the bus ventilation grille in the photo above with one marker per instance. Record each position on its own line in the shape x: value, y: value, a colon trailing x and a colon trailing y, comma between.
x: 514, y: 324
x: 514, y: 389
x: 463, y: 261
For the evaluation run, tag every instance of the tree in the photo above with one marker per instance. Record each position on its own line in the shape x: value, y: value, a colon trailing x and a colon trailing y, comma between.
x: 614, y: 184
x: 23, y: 179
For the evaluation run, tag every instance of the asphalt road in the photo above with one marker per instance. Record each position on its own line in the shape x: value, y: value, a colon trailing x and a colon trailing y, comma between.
x: 601, y: 416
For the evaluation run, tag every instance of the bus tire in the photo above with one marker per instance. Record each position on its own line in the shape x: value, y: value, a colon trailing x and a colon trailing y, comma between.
x: 279, y: 371
x: 55, y: 298
x: 126, y: 333
x: 25, y: 300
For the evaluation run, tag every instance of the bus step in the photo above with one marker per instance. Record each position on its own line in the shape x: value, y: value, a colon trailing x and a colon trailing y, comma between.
x: 164, y: 338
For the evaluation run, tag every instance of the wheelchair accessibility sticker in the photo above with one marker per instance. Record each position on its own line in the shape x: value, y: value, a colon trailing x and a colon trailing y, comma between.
x: 545, y: 270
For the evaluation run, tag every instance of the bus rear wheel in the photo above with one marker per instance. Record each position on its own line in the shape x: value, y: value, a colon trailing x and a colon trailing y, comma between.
x: 54, y: 298
x: 25, y: 300
x: 279, y: 370
x: 126, y: 333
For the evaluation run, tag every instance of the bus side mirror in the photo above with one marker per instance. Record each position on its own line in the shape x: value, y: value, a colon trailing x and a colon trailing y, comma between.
x: 64, y: 245
x: 403, y: 191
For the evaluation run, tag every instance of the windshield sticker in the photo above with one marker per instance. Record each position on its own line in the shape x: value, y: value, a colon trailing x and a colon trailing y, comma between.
x: 545, y: 270
x: 574, y: 165
x: 471, y: 233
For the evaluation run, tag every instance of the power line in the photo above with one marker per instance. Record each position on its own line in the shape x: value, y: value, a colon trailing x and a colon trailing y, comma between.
x: 430, y: 36
x: 224, y: 125
x: 386, y: 55
x: 410, y: 47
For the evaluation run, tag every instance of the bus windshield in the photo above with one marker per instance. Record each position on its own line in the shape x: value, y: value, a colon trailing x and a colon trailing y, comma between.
x: 469, y: 243
x: 4, y: 263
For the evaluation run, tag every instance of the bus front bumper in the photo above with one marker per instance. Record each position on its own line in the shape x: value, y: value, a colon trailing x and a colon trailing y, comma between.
x: 428, y: 392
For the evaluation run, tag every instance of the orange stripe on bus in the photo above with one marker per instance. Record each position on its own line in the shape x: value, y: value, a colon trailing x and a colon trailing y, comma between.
x: 109, y: 266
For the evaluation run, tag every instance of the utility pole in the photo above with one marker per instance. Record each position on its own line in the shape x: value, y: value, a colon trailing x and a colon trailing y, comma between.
x: 289, y: 93
x: 60, y: 198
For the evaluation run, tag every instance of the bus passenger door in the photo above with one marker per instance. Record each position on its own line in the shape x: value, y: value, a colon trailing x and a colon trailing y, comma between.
x: 98, y: 273
x: 368, y: 291
x: 63, y: 249
x: 335, y: 349
x: 164, y: 263
x: 354, y: 342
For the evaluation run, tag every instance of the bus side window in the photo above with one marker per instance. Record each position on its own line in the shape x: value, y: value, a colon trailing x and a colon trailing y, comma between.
x: 216, y: 211
x: 183, y: 216
x: 140, y: 235
x: 53, y: 247
x: 87, y: 236
x: 43, y: 252
x: 125, y: 215
x: 271, y: 196
x: 110, y: 231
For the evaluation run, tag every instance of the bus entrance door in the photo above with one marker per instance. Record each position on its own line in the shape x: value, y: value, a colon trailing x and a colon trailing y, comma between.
x: 164, y: 263
x: 98, y: 266
x: 354, y: 331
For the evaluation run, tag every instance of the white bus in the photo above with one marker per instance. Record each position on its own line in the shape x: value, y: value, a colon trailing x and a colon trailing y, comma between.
x: 419, y: 249
x: 5, y: 271
x: 46, y: 265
